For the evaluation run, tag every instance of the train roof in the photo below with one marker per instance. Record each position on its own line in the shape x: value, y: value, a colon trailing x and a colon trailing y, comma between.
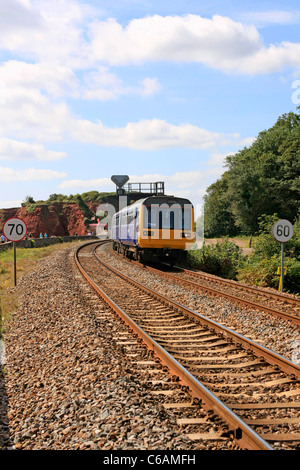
x: 156, y: 200
x: 165, y: 199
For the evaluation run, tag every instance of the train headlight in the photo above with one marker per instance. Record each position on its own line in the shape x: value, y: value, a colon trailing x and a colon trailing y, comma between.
x: 187, y: 235
x: 148, y: 233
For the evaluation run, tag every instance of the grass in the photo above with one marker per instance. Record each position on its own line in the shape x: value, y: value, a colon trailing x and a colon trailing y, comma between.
x: 27, y: 260
x: 243, y: 241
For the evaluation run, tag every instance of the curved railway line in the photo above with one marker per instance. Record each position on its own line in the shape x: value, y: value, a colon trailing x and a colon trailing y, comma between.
x: 278, y: 304
x: 253, y: 392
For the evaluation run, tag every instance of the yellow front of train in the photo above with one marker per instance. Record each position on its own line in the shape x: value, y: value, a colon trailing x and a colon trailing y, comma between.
x: 166, y: 227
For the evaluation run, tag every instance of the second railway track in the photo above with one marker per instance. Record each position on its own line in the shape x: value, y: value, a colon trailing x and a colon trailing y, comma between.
x: 280, y: 305
x: 236, y: 378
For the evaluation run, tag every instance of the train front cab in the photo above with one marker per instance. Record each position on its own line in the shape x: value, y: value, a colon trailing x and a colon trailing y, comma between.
x: 166, y: 230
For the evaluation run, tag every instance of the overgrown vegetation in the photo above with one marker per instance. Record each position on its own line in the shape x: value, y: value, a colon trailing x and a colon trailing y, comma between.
x: 90, y: 196
x: 261, y: 267
x: 260, y: 186
x: 260, y: 180
x: 81, y: 200
x: 226, y: 259
x: 222, y: 259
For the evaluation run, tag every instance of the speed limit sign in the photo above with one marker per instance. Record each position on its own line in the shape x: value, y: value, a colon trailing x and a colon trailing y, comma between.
x: 282, y: 231
x: 14, y: 229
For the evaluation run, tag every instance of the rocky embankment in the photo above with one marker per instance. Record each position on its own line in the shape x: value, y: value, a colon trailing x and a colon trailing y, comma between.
x: 67, y: 385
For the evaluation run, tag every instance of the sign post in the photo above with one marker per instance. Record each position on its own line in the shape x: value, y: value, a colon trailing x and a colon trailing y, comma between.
x: 282, y: 231
x: 15, y: 230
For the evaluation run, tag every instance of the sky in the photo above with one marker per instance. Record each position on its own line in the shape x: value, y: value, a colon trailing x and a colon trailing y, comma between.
x: 158, y: 91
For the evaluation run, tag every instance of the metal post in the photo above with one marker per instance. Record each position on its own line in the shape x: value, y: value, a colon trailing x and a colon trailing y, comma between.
x: 282, y: 271
x: 15, y: 264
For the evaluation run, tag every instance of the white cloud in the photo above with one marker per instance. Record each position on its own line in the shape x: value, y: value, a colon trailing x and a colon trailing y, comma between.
x: 65, y: 33
x: 18, y: 15
x: 102, y: 85
x: 150, y: 86
x: 149, y: 135
x: 194, y: 182
x: 55, y: 80
x: 220, y: 43
x: 29, y: 174
x: 270, y: 17
x: 102, y: 183
x: 10, y: 204
x: 51, y: 31
x: 189, y: 38
x: 29, y: 114
x: 190, y: 184
x: 15, y: 150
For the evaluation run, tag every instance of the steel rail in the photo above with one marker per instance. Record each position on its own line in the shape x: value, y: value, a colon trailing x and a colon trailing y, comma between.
x: 233, y: 298
x: 255, y: 289
x: 261, y: 351
x: 242, y: 433
x: 286, y: 316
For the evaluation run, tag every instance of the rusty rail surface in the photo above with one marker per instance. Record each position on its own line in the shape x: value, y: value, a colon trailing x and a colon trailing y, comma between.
x: 233, y: 298
x: 247, y: 289
x: 270, y: 356
x: 245, y: 436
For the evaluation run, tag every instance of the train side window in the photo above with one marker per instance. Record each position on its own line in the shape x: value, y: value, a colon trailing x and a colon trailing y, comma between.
x: 116, y: 221
x: 149, y: 217
x: 131, y: 217
x: 187, y: 219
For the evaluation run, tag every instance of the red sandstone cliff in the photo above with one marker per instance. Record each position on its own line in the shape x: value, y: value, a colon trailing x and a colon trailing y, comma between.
x: 59, y: 219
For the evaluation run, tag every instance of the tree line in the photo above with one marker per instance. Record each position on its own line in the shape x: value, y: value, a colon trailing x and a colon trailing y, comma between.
x: 262, y: 179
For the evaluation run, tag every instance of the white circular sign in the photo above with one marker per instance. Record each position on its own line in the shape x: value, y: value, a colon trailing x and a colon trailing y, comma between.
x: 282, y: 230
x: 14, y: 229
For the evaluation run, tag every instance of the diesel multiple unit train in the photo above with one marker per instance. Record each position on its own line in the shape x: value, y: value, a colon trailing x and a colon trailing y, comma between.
x: 156, y: 228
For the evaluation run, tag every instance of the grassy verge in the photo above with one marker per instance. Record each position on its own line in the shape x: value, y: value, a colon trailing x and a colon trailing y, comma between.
x: 27, y: 260
x: 245, y: 242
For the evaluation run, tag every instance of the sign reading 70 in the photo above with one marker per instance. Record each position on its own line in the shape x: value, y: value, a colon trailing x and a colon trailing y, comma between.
x: 14, y: 229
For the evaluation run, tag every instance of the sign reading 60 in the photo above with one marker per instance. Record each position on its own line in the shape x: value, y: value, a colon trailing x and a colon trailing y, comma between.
x: 282, y: 230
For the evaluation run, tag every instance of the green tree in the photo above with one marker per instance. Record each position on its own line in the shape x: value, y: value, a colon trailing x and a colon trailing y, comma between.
x: 29, y: 200
x: 261, y: 179
x: 218, y: 218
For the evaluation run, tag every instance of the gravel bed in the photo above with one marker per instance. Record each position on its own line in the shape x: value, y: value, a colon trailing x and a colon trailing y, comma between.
x: 276, y: 334
x: 66, y: 384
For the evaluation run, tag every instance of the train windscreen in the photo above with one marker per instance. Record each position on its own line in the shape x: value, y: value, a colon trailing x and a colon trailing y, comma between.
x: 173, y: 217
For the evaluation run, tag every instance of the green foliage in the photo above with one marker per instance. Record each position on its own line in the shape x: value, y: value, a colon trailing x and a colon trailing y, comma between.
x: 218, y: 218
x: 31, y: 208
x: 29, y: 200
x: 261, y: 267
x: 261, y: 179
x: 222, y: 259
x: 264, y: 273
x: 90, y: 196
x: 87, y: 212
x: 56, y: 198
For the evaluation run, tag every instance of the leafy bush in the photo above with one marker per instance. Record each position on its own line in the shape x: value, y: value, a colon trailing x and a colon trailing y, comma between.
x: 264, y: 273
x: 222, y: 259
x: 261, y: 267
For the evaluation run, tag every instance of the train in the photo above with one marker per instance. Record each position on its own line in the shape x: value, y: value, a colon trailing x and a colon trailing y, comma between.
x: 155, y: 228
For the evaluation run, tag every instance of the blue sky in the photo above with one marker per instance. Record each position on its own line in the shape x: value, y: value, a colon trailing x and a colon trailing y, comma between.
x: 160, y: 91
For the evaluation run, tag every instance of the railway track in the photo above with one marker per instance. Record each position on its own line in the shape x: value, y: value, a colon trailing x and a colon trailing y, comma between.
x: 254, y: 391
x: 277, y: 304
